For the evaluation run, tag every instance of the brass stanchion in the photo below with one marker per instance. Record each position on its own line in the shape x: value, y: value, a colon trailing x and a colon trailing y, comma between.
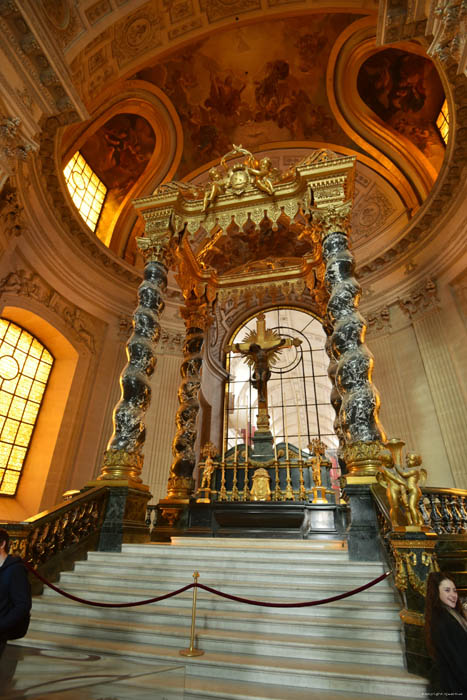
x: 192, y: 651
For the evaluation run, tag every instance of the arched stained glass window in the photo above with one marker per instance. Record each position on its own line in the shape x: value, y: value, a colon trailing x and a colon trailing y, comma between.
x: 25, y: 366
x: 299, y: 388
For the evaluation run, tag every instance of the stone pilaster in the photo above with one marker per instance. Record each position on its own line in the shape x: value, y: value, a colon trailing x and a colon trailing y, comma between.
x: 423, y: 310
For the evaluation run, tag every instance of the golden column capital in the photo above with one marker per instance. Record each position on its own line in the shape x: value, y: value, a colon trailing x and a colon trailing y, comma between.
x: 333, y: 218
x: 197, y: 314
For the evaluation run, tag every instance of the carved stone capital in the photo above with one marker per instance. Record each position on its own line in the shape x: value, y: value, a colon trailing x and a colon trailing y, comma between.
x: 197, y: 315
x: 333, y: 218
x: 156, y: 247
x: 422, y: 299
x: 379, y: 321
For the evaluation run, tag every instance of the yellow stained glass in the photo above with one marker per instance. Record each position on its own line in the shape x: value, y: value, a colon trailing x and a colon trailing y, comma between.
x: 36, y: 349
x: 24, y: 434
x: 3, y: 327
x: 9, y: 430
x: 47, y: 357
x: 13, y: 334
x: 43, y: 372
x: 5, y: 401
x: 30, y: 412
x: 16, y: 429
x: 11, y: 385
x: 30, y: 367
x: 442, y: 122
x: 17, y: 408
x: 92, y: 188
x: 24, y: 386
x: 37, y: 391
x: 20, y: 357
x: 24, y: 342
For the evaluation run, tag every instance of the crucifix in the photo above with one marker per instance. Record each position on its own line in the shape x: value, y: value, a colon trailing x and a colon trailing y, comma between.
x: 261, y: 348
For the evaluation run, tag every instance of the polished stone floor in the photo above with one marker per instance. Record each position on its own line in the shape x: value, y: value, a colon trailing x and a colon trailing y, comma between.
x: 65, y: 674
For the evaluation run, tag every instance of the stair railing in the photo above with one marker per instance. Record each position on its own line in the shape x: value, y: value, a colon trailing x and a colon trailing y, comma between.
x: 54, y: 539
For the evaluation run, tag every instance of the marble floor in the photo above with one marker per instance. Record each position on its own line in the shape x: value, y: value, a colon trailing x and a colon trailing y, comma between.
x: 66, y: 674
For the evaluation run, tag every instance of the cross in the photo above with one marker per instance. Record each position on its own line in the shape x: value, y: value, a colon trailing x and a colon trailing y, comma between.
x: 261, y: 349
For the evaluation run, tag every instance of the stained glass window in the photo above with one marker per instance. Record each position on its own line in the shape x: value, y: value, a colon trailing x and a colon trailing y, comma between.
x: 443, y: 122
x: 299, y: 389
x: 25, y: 366
x: 86, y: 190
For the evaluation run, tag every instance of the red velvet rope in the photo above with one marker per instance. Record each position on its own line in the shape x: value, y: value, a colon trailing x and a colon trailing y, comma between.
x: 323, y: 601
x: 248, y: 601
x: 105, y: 605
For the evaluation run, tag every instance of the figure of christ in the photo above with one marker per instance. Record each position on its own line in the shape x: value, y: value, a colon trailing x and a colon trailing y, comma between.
x: 260, y: 349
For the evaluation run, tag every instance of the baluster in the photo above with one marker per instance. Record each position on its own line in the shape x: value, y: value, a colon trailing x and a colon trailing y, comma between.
x: 246, y: 486
x: 302, y: 491
x: 424, y: 511
x: 289, y: 496
x: 463, y: 513
x: 235, y: 493
x: 277, y: 485
x: 222, y: 490
x: 456, y: 519
x: 445, y: 514
x: 436, y: 521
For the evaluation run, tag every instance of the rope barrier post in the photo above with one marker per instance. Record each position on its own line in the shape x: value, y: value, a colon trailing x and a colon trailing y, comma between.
x: 192, y: 651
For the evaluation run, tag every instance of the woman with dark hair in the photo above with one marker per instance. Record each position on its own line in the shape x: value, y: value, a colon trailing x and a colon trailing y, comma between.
x: 446, y: 634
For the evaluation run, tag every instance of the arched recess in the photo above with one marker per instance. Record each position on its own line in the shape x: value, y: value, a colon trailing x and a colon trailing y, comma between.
x: 406, y: 164
x: 148, y: 103
x: 40, y: 481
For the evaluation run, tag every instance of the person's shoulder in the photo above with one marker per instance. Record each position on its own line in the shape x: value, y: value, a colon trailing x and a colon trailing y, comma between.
x: 12, y: 561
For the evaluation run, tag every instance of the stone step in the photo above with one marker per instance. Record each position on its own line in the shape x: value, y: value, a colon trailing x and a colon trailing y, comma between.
x: 262, y: 643
x: 341, y: 626
x: 280, y: 671
x: 261, y: 566
x: 325, y: 545
x: 347, y: 607
x: 273, y: 592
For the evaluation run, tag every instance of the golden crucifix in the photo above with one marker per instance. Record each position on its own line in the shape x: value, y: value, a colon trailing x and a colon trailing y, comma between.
x: 261, y: 349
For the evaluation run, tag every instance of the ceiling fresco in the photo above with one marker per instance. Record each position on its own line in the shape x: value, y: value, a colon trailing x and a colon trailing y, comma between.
x: 119, y: 151
x: 257, y: 84
x: 405, y: 91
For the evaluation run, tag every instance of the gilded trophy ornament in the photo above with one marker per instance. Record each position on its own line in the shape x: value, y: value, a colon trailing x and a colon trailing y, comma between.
x: 260, y: 490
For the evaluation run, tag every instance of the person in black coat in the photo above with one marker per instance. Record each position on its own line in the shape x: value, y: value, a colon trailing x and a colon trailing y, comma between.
x: 446, y: 636
x: 15, y: 594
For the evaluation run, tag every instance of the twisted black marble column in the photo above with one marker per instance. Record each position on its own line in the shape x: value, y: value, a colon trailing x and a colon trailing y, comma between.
x: 123, y: 457
x: 336, y: 400
x: 181, y: 483
x: 358, y: 413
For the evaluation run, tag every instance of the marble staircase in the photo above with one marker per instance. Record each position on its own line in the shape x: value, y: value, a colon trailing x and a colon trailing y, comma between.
x: 344, y: 650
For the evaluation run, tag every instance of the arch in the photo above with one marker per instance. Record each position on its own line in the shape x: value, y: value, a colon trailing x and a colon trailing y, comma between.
x: 298, y: 389
x: 37, y: 477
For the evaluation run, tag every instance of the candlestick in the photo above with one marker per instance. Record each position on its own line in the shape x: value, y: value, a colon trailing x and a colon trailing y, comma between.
x: 236, y: 438
x: 286, y: 438
x: 273, y: 434
x: 299, y: 432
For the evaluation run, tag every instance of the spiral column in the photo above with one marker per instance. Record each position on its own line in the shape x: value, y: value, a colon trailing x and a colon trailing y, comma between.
x: 123, y: 458
x: 358, y: 421
x: 181, y: 484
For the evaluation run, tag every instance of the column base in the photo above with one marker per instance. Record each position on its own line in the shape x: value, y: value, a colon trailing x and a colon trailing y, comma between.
x: 363, y: 533
x: 125, y: 515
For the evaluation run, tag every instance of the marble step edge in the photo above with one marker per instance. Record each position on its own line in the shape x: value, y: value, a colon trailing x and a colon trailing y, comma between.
x: 255, y: 554
x: 261, y: 543
x: 213, y: 689
x: 218, y: 618
x: 241, y: 636
x: 208, y: 600
x: 301, y: 673
x: 250, y: 568
x: 262, y: 592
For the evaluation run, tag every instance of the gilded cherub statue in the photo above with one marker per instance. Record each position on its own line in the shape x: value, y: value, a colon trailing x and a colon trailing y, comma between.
x: 402, y: 487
